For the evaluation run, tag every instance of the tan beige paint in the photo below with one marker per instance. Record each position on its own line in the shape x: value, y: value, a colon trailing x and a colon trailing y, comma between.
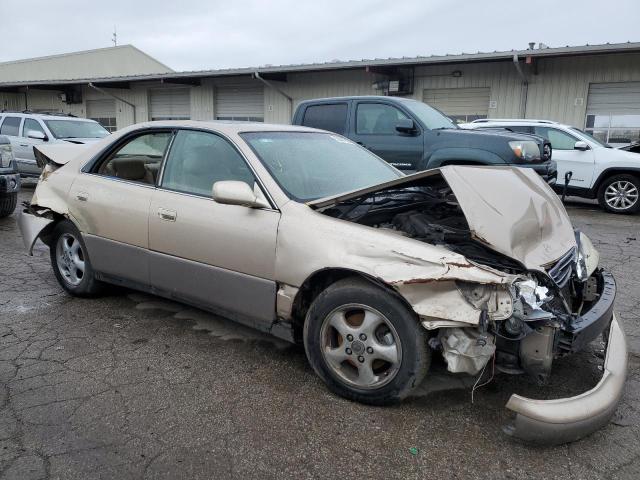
x: 309, y: 241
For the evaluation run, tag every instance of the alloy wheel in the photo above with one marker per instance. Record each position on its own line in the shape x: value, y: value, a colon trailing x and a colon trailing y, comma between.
x: 70, y: 259
x: 361, y: 346
x: 621, y: 195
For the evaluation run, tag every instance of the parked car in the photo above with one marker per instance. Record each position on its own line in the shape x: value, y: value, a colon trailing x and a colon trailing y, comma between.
x: 634, y: 147
x: 597, y: 170
x: 412, y: 136
x: 9, y: 178
x: 27, y: 129
x: 304, y: 234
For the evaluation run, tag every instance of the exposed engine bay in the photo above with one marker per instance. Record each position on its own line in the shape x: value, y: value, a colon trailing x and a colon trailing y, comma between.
x: 539, y: 316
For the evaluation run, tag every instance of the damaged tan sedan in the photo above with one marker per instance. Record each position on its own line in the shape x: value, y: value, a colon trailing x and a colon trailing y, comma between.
x: 308, y: 236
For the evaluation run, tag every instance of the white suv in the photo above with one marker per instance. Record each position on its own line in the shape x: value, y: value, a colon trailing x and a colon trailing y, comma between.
x: 27, y: 129
x: 597, y: 170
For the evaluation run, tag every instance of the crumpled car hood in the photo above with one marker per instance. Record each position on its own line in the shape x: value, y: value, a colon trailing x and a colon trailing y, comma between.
x: 510, y: 210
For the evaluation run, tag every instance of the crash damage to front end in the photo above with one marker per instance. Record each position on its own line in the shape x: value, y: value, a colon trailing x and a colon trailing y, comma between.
x: 526, y: 291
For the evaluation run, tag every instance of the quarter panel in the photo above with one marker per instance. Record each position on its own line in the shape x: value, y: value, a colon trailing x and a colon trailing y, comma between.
x: 118, y: 259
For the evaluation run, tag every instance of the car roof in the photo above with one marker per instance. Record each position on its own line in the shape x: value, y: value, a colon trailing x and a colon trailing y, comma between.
x: 45, y: 116
x: 358, y: 97
x: 516, y: 121
x: 228, y: 126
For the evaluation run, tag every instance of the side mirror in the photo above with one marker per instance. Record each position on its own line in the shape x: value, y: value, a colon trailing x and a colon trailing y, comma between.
x: 406, y: 125
x: 581, y: 146
x: 233, y: 192
x: 36, y: 135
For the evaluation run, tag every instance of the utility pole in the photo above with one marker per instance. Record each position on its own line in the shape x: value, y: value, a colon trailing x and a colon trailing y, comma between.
x: 114, y: 38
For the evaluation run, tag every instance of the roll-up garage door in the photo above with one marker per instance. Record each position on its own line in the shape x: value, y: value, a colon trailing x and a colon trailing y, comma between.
x: 613, y: 112
x: 240, y: 102
x: 103, y: 111
x: 170, y: 104
x: 461, y: 104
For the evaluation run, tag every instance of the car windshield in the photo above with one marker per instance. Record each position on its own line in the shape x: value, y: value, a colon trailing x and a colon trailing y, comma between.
x: 76, y: 129
x: 433, y: 119
x: 309, y: 165
x: 590, y: 137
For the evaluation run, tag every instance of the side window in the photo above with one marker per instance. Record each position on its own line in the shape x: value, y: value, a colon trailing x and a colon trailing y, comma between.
x: 137, y: 160
x: 197, y: 160
x: 377, y: 119
x: 559, y: 139
x: 31, y: 125
x: 332, y: 117
x: 520, y: 128
x: 10, y: 126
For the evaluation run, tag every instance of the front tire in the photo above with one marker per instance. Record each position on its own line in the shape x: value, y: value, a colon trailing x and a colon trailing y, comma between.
x: 8, y: 204
x: 70, y: 262
x: 365, y: 343
x: 620, y: 194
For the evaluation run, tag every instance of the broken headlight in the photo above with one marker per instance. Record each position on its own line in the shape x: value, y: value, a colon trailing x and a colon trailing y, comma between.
x: 6, y: 156
x: 525, y: 150
x: 588, y: 257
x: 532, y: 297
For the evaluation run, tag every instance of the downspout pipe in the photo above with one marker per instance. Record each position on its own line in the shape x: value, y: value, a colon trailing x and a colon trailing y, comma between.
x: 525, y: 86
x: 109, y: 94
x: 257, y: 76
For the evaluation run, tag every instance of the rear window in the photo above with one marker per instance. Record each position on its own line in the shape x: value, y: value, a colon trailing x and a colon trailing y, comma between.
x: 10, y: 126
x: 332, y: 117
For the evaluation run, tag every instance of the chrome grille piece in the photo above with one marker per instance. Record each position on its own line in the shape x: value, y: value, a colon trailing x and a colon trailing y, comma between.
x: 561, y: 272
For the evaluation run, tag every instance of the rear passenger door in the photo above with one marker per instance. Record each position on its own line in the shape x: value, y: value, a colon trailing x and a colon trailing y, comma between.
x: 327, y: 116
x: 221, y: 257
x: 374, y: 127
x: 110, y: 202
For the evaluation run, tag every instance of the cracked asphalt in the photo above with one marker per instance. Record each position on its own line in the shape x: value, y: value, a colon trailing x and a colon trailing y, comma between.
x: 133, y: 386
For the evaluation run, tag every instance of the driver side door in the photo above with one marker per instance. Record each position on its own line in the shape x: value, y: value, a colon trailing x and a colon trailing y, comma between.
x: 374, y: 127
x: 579, y: 162
x: 220, y: 257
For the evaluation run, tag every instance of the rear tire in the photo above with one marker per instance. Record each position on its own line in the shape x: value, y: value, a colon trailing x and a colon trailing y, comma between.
x: 365, y: 344
x: 8, y: 204
x: 70, y: 261
x: 620, y: 194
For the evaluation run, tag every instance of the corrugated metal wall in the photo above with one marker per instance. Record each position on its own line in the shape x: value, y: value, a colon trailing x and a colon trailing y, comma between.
x: 557, y: 90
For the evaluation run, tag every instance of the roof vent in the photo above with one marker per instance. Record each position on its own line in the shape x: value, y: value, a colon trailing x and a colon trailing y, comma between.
x: 532, y: 45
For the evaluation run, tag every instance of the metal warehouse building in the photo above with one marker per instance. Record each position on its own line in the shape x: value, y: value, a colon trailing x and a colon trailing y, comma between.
x: 596, y: 87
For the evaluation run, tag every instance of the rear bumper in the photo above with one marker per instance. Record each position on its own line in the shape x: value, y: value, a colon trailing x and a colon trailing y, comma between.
x: 9, y: 183
x: 565, y: 420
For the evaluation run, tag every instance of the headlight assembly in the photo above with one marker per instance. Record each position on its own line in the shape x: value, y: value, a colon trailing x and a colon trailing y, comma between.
x: 525, y: 150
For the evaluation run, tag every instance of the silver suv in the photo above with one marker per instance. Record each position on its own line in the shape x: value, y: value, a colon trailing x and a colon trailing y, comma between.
x: 27, y: 129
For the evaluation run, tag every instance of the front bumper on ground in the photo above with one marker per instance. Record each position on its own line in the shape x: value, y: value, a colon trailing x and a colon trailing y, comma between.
x: 568, y: 419
x: 9, y: 183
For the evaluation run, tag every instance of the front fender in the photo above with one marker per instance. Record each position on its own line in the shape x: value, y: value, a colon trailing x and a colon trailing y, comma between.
x: 460, y: 155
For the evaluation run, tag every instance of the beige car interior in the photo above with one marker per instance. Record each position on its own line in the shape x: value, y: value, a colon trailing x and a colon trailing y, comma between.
x: 135, y: 168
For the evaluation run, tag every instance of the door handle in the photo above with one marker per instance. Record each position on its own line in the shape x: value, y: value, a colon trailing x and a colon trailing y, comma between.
x: 168, y: 215
x: 82, y: 196
x: 24, y: 145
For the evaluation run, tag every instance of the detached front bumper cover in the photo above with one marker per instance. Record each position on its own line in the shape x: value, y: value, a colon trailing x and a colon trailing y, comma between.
x: 564, y: 420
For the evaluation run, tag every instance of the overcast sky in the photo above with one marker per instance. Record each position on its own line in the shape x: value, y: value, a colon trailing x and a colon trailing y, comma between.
x: 191, y: 35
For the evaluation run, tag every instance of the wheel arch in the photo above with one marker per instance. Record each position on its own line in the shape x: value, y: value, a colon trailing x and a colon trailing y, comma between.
x: 318, y: 281
x: 609, y: 172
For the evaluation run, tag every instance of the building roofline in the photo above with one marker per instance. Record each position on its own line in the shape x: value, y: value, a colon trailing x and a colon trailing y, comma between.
x: 546, y: 52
